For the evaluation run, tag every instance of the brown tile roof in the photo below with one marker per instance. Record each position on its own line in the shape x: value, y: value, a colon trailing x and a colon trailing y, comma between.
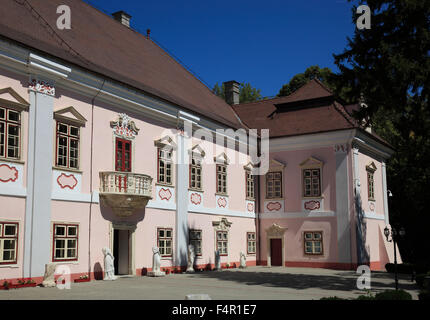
x: 102, y: 45
x: 277, y: 116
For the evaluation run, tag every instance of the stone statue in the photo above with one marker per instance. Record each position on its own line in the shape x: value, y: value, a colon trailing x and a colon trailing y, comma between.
x: 242, y: 260
x: 156, y: 263
x: 109, y: 266
x: 49, y: 277
x: 191, y: 257
x: 217, y: 261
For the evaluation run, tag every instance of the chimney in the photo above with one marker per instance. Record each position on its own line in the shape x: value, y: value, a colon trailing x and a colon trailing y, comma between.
x: 231, y: 89
x: 122, y: 17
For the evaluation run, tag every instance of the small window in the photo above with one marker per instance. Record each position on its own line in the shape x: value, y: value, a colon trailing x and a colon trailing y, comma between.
x: 311, y: 183
x: 196, y: 173
x: 251, y: 242
x: 222, y: 242
x: 221, y: 172
x: 165, y: 241
x: 165, y: 166
x: 10, y: 131
x: 370, y: 185
x: 313, y: 242
x: 196, y: 241
x: 274, y: 185
x: 249, y: 182
x: 65, y: 242
x: 67, y: 146
x: 8, y: 242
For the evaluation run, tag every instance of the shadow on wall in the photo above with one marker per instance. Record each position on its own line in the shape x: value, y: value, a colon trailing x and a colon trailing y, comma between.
x: 98, y: 271
x: 363, y: 251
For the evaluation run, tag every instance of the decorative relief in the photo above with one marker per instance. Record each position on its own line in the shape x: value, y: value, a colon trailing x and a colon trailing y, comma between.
x: 222, y: 225
x: 372, y: 206
x: 312, y: 205
x: 196, y: 198
x: 8, y: 173
x: 165, y: 194
x: 124, y: 127
x: 67, y: 181
x: 274, y: 206
x: 250, y: 207
x: 340, y: 148
x: 275, y: 230
x: 42, y: 87
x: 222, y: 202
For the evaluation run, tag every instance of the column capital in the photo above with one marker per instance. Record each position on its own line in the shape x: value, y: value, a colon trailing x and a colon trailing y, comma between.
x: 42, y: 86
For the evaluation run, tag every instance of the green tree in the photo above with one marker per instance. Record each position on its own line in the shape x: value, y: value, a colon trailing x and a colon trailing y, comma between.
x: 389, y: 66
x: 247, y: 93
x: 325, y: 75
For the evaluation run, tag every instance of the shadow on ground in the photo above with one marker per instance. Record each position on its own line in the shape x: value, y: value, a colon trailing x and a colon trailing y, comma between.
x: 346, y: 281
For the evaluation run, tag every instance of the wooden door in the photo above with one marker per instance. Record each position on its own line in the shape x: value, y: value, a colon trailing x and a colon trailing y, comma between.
x: 276, y: 252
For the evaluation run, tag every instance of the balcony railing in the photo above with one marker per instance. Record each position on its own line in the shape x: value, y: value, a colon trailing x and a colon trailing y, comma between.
x: 125, y: 183
x: 125, y: 192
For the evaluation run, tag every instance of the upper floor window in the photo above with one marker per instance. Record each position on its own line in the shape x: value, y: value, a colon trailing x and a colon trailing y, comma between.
x: 249, y: 180
x: 370, y: 169
x: 123, y: 155
x: 65, y: 242
x: 312, y: 182
x: 8, y: 242
x: 196, y: 173
x: 67, y: 145
x: 165, y: 166
x: 10, y: 132
x: 274, y: 185
x: 221, y: 180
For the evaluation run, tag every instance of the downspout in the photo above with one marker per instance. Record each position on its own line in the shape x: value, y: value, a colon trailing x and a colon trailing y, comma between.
x: 91, y: 178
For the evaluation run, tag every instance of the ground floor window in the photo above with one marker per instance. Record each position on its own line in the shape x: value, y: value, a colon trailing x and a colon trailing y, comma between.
x: 8, y: 242
x: 251, y: 242
x: 165, y: 240
x: 313, y: 242
x: 222, y: 242
x: 65, y: 242
x: 196, y: 241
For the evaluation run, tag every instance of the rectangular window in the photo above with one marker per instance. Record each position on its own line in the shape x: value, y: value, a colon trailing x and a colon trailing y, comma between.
x: 313, y: 242
x: 311, y: 183
x: 251, y: 242
x: 196, y: 174
x: 274, y: 185
x: 221, y: 172
x: 165, y: 166
x: 370, y: 185
x: 65, y: 242
x: 249, y: 180
x: 165, y: 240
x: 8, y: 242
x: 123, y: 155
x: 67, y: 146
x: 196, y: 241
x: 10, y: 128
x: 222, y: 242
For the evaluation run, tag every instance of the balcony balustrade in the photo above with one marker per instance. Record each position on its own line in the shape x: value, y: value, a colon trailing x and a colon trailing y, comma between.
x: 125, y: 192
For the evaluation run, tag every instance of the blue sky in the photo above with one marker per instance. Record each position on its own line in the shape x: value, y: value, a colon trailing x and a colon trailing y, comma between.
x: 262, y: 42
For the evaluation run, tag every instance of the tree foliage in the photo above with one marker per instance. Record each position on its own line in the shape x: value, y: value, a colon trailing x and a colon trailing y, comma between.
x: 389, y: 66
x: 247, y: 92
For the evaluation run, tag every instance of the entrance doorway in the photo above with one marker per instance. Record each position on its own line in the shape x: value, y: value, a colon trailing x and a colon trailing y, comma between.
x: 121, y: 251
x: 276, y: 252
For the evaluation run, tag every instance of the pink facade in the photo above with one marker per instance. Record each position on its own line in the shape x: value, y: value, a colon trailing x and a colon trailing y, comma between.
x: 99, y: 162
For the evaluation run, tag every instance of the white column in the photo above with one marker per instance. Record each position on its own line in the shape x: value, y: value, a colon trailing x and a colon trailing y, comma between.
x: 384, y: 192
x: 342, y: 205
x: 37, y: 242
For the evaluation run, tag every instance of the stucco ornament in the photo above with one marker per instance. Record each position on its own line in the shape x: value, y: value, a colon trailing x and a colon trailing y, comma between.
x: 49, y: 277
x: 275, y: 230
x: 242, y: 260
x: 156, y: 264
x: 191, y: 257
x: 217, y: 260
x: 109, y: 266
x: 124, y: 127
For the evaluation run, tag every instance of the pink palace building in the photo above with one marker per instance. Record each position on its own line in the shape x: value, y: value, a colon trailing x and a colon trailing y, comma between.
x: 94, y: 153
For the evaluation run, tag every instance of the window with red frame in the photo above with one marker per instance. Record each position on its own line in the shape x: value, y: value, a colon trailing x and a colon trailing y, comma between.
x: 251, y: 242
x: 249, y: 185
x: 65, y: 242
x: 8, y: 242
x: 196, y: 173
x: 123, y: 155
x: 165, y: 240
x: 222, y: 242
x: 10, y: 128
x: 165, y: 165
x: 221, y: 181
x: 67, y: 146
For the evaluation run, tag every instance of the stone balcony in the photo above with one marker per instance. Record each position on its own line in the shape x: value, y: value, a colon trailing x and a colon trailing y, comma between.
x: 125, y: 192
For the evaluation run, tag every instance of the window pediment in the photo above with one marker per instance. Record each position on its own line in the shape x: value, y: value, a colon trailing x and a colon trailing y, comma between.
x: 197, y: 151
x: 275, y: 165
x: 70, y: 115
x: 311, y: 162
x: 165, y: 142
x: 222, y: 225
x: 222, y: 159
x: 371, y: 167
x: 10, y: 98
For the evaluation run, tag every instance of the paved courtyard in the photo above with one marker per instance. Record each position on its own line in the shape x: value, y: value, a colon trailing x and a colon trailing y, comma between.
x: 253, y: 283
